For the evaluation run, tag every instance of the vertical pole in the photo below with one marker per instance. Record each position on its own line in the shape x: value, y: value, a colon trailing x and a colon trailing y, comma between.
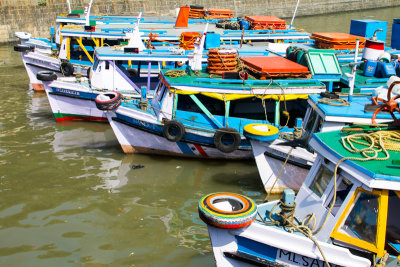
x: 294, y: 14
x: 148, y: 75
x: 353, y: 73
x: 277, y: 109
x: 227, y: 106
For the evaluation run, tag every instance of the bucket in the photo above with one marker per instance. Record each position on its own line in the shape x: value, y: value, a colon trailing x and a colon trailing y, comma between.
x: 244, y: 24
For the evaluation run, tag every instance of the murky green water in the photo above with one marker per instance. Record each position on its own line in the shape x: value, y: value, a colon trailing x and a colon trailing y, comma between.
x: 70, y: 197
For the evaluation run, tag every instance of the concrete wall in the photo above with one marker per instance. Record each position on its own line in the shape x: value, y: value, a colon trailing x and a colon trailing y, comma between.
x: 36, y: 16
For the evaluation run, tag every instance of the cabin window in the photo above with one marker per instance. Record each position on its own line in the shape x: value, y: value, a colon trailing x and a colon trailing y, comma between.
x: 161, y: 93
x: 215, y: 106
x: 313, y: 123
x: 296, y: 109
x: 107, y: 65
x: 252, y: 108
x: 95, y: 63
x: 321, y: 180
x: 393, y: 224
x: 361, y: 222
x: 343, y: 188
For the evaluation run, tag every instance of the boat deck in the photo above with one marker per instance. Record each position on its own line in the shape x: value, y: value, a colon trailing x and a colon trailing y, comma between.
x: 376, y: 169
x: 356, y: 108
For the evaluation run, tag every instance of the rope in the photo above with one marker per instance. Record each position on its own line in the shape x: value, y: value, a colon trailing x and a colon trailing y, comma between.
x: 334, y: 102
x: 175, y: 73
x: 373, y: 143
x: 280, y: 172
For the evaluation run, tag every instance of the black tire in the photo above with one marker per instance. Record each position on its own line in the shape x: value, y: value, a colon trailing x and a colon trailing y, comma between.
x: 227, y: 140
x: 173, y: 130
x: 46, y: 76
x: 329, y: 95
x: 23, y: 48
x: 196, y: 7
x: 67, y: 69
x: 88, y: 72
x: 73, y: 15
x: 108, y: 101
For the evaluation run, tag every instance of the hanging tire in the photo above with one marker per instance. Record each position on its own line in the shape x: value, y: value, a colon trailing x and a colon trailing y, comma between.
x: 108, y: 101
x: 23, y: 48
x: 226, y: 210
x: 46, y: 76
x: 173, y: 130
x: 227, y: 140
x: 67, y: 69
x: 88, y: 72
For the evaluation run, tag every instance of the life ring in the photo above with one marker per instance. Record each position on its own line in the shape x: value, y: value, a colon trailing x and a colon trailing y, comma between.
x: 67, y: 69
x: 261, y: 132
x: 227, y: 140
x: 46, y: 76
x: 173, y: 130
x: 227, y: 210
x: 23, y: 48
x: 108, y: 100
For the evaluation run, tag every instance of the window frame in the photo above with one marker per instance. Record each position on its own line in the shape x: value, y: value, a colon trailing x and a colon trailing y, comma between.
x: 379, y: 246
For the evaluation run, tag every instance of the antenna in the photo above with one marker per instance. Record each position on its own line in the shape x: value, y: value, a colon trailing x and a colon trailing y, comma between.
x: 87, y: 23
x: 69, y: 6
x: 294, y: 14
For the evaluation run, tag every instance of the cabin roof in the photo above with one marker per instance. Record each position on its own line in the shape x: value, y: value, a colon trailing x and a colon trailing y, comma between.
x: 375, y: 169
x: 111, y: 53
x: 355, y: 110
x: 167, y: 31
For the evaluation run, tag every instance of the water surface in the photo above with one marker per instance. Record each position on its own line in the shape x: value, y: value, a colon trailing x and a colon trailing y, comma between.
x: 69, y: 196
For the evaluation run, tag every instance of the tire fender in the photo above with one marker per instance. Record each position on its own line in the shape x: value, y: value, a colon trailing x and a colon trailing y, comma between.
x: 108, y: 100
x: 173, y: 130
x: 46, y: 76
x: 67, y: 69
x: 226, y: 210
x: 227, y: 140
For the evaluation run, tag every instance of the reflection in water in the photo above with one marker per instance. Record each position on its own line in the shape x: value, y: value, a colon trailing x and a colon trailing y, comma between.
x: 69, y: 195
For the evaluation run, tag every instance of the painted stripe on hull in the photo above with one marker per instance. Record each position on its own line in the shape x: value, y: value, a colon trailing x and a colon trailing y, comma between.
x: 68, y: 117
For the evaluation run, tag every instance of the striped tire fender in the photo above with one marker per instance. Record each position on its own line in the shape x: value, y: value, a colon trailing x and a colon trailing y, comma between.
x: 108, y: 100
x: 227, y: 210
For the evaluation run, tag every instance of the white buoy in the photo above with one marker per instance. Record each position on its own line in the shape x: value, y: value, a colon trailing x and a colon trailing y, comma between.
x: 373, y: 48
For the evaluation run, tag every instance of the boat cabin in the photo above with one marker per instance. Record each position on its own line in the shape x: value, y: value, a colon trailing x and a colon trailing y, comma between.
x: 364, y: 217
x: 330, y: 115
x: 124, y: 68
x: 201, y: 100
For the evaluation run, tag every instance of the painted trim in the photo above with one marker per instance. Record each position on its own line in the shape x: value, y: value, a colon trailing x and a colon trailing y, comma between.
x: 377, y: 248
x: 79, y: 40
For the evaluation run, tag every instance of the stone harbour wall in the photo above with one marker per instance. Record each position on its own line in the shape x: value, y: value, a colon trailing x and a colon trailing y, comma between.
x: 37, y: 16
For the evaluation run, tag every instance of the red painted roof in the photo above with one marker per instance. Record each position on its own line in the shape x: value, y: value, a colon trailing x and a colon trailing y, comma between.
x: 274, y: 65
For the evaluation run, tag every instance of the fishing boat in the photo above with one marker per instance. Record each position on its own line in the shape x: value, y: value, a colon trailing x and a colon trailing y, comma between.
x: 131, y: 70
x: 201, y: 113
x: 284, y: 163
x: 72, y: 45
x: 345, y: 213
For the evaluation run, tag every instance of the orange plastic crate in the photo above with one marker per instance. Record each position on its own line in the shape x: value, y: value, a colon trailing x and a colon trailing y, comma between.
x: 274, y: 67
x: 337, y: 40
x: 266, y: 22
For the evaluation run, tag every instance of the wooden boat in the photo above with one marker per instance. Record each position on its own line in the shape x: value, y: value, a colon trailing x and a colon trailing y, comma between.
x: 289, y: 157
x: 195, y: 114
x: 345, y: 213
